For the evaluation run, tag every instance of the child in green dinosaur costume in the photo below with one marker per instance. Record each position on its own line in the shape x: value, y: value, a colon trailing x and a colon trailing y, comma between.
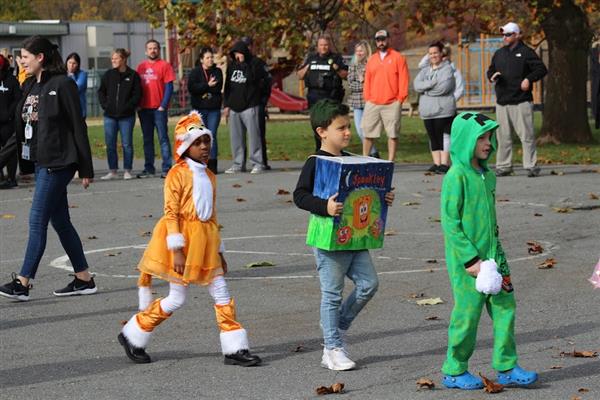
x: 473, y: 248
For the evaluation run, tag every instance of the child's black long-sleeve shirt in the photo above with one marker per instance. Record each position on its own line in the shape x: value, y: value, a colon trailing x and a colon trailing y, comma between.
x: 303, y: 195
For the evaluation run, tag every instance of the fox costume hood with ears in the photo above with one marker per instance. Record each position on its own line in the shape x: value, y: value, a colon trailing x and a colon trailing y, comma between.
x: 188, y: 129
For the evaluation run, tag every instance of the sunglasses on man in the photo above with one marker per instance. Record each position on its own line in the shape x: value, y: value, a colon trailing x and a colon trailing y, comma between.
x: 509, y: 34
x: 380, y: 39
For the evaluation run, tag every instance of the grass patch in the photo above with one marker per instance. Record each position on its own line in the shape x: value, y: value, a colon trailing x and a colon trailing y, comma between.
x: 293, y: 140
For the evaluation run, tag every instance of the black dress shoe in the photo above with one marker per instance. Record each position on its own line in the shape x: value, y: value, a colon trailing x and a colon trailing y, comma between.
x: 8, y: 184
x: 135, y: 354
x: 243, y: 358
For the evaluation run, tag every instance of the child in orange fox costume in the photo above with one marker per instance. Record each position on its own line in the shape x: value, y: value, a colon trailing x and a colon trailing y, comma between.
x: 185, y: 249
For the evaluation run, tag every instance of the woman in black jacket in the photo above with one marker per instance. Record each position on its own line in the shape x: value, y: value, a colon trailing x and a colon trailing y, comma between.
x: 119, y: 94
x: 52, y: 133
x: 10, y: 94
x: 205, y: 84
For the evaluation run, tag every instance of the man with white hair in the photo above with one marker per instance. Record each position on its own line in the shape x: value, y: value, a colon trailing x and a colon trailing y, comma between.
x: 513, y: 69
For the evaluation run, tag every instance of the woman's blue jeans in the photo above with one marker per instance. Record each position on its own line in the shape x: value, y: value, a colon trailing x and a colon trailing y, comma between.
x: 211, y: 119
x: 50, y: 204
x: 112, y: 126
x: 333, y: 267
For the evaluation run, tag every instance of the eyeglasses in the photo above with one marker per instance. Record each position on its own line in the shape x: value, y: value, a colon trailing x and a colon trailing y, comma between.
x: 380, y: 39
x: 509, y: 34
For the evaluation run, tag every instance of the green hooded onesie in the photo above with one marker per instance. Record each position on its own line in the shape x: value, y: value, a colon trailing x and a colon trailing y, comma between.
x: 468, y: 214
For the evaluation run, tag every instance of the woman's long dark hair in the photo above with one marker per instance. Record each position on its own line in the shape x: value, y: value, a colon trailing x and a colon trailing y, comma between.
x: 203, y: 51
x: 75, y: 57
x: 52, y: 62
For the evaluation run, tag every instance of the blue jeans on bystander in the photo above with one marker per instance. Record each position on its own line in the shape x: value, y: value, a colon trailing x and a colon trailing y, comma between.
x: 211, y: 119
x: 112, y: 126
x: 149, y: 119
x: 50, y: 204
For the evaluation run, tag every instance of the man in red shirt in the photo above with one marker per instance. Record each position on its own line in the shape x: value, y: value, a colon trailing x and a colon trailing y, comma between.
x: 157, y: 87
x: 384, y: 91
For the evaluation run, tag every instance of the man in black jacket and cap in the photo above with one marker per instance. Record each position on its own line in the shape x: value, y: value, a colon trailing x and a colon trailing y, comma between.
x: 514, y: 69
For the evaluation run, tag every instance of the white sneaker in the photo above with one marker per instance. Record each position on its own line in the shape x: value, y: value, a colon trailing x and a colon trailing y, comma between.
x: 336, y: 360
x: 127, y: 175
x: 109, y: 176
x: 233, y: 170
x: 257, y: 169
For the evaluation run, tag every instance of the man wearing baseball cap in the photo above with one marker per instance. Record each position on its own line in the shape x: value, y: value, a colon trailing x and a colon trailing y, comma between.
x: 513, y: 69
x: 384, y: 90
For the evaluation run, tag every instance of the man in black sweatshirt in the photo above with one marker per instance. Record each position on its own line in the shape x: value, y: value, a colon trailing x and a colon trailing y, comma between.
x: 514, y: 68
x: 242, y: 97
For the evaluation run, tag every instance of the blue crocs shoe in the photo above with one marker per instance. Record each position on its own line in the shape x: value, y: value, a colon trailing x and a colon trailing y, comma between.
x: 517, y: 376
x: 464, y: 381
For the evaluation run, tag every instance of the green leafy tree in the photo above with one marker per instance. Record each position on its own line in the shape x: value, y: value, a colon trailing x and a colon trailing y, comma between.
x: 15, y: 10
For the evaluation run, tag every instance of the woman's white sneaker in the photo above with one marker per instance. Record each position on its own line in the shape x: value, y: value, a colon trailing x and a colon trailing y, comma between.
x: 336, y: 360
x: 109, y: 176
x: 127, y: 175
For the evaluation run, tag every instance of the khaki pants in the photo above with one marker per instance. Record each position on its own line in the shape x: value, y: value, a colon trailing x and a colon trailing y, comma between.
x: 376, y: 117
x: 518, y: 117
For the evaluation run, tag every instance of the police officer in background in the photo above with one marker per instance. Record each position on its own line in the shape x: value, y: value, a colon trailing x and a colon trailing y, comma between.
x: 322, y: 73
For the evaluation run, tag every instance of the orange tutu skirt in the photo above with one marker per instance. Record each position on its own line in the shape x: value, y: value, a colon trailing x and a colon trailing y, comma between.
x: 203, y: 263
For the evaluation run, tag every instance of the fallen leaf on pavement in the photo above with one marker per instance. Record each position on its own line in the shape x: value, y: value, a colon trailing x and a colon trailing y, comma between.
x: 390, y: 232
x: 73, y: 206
x: 562, y: 210
x: 538, y: 215
x: 411, y: 203
x: 113, y: 254
x: 416, y: 295
x: 502, y: 200
x: 425, y: 383
x: 281, y: 192
x: 429, y: 173
x: 432, y: 261
x: 260, y: 264
x: 220, y: 227
x: 335, y: 388
x: 236, y: 185
x: 432, y: 318
x: 560, y: 173
x: 249, y: 181
x: 8, y: 216
x: 547, y: 263
x: 434, y: 219
x: 289, y: 201
x: 594, y: 196
x: 556, y: 367
x: 583, y: 390
x: 298, y: 349
x: 239, y: 200
x: 145, y: 234
x: 579, y: 354
x: 534, y: 247
x: 92, y: 237
x: 491, y: 386
x: 430, y: 302
x: 575, y: 398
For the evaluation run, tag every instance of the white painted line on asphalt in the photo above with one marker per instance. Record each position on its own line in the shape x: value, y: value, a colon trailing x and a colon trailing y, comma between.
x: 62, y: 261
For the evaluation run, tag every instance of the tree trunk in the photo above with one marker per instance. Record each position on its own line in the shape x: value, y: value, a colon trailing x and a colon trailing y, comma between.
x: 565, y: 104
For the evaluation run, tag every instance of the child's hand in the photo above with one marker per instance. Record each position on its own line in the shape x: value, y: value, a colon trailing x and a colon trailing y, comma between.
x: 473, y: 270
x: 389, y: 197
x: 333, y: 207
x: 178, y: 261
x: 223, y: 263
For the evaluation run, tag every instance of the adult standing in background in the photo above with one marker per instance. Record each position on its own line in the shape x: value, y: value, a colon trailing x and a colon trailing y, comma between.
x: 356, y: 79
x: 80, y: 77
x: 242, y: 99
x: 595, y: 72
x: 157, y: 87
x: 265, y: 93
x: 386, y: 88
x: 514, y: 69
x: 10, y: 94
x: 323, y: 73
x: 51, y: 133
x: 437, y: 107
x: 205, y: 85
x: 119, y: 94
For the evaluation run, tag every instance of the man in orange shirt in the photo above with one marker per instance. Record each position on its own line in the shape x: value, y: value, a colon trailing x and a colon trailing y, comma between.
x: 385, y: 88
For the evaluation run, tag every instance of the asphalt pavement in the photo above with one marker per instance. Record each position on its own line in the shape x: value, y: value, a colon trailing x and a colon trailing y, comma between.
x: 62, y: 348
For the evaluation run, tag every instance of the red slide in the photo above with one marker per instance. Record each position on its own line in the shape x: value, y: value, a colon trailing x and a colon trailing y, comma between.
x: 287, y: 102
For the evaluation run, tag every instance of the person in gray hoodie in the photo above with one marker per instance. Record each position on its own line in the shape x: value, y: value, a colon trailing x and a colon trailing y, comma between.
x: 437, y: 105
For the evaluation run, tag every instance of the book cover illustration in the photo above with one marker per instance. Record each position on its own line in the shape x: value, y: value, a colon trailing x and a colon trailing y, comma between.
x: 361, y: 184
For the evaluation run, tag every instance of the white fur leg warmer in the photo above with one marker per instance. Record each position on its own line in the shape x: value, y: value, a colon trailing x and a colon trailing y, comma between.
x: 234, y: 341
x: 135, y: 335
x: 488, y: 281
x: 219, y: 292
x: 144, y: 297
x: 175, y: 299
